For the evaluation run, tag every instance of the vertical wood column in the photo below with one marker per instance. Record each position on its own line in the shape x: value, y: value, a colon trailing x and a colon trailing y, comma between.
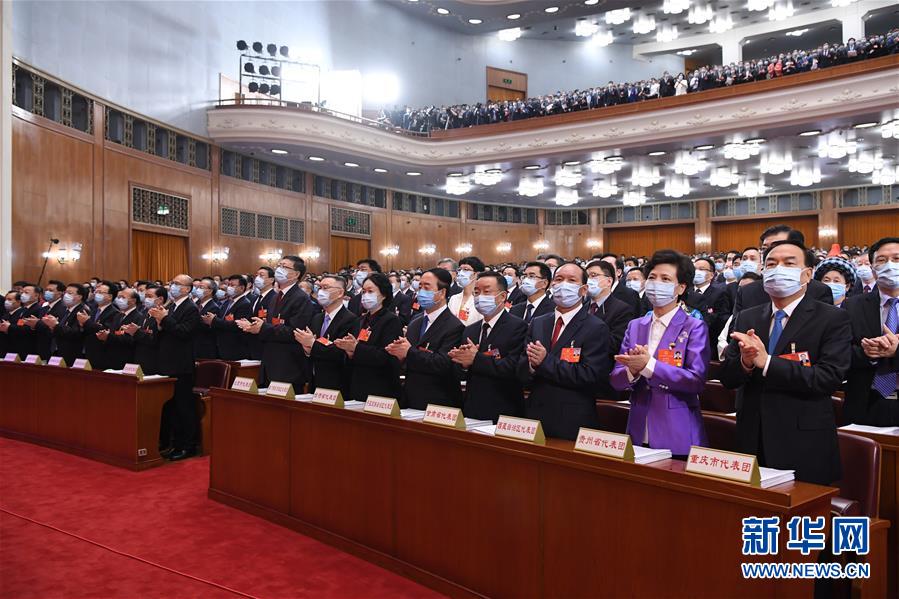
x: 98, y: 242
x: 828, y: 219
x: 703, y: 230
x: 215, y: 202
x: 6, y: 100
x: 596, y: 232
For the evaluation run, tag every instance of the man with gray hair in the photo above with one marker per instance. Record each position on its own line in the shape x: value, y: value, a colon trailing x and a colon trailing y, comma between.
x: 449, y: 265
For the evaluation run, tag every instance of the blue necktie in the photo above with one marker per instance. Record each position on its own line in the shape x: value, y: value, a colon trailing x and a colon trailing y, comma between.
x: 424, y: 326
x: 885, y: 384
x: 325, y: 324
x: 776, y: 331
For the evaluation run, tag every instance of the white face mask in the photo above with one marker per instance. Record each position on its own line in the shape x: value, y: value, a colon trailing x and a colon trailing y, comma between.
x: 634, y: 285
x: 464, y: 278
x: 566, y: 295
x: 660, y: 293
x: 888, y: 275
x: 281, y: 275
x: 782, y: 281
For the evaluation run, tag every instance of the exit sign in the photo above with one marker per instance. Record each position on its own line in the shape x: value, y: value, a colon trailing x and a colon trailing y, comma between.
x: 507, y: 81
x: 350, y: 222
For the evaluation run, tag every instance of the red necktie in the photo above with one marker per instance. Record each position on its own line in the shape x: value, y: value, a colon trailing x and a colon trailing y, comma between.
x: 593, y: 308
x: 556, y: 331
x: 278, y: 299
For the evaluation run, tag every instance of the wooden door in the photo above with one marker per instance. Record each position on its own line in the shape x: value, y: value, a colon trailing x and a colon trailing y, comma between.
x: 642, y: 240
x: 499, y: 94
x: 346, y: 251
x: 739, y: 234
x: 864, y: 228
x: 156, y: 256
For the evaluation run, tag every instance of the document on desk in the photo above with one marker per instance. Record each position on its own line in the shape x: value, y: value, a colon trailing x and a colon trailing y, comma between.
x: 304, y: 397
x: 411, y: 414
x: 771, y: 476
x: 471, y: 423
x: 487, y: 429
x: 150, y: 377
x: 352, y: 404
x: 647, y: 455
x: 877, y: 430
x: 250, y: 362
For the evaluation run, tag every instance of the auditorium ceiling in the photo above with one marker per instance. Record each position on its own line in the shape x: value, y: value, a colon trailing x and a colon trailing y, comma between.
x: 848, y: 151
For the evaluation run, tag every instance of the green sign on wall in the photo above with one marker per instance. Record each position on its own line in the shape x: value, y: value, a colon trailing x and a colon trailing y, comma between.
x: 507, y: 81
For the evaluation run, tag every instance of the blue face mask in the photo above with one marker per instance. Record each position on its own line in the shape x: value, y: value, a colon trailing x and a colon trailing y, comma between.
x: 360, y: 277
x: 48, y: 296
x: 370, y: 301
x: 660, y: 293
x: 509, y: 280
x: 782, y: 281
x: 865, y: 272
x: 121, y: 303
x: 415, y: 285
x: 198, y: 292
x: 593, y: 287
x: 464, y: 277
x: 749, y: 266
x: 485, y: 304
x: 738, y: 272
x: 888, y: 275
x: 323, y: 297
x: 566, y: 295
x: 699, y: 277
x: 634, y: 285
x: 529, y: 286
x: 220, y: 293
x: 149, y: 302
x: 838, y: 290
x: 175, y: 291
x: 426, y: 299
x: 719, y: 266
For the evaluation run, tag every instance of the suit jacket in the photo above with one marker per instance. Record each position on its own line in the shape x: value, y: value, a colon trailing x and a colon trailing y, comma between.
x: 146, y: 346
x: 402, y: 307
x: 375, y: 372
x: 864, y: 405
x: 453, y: 290
x: 645, y: 305
x: 120, y: 345
x: 69, y: 336
x: 205, y: 345
x: 616, y: 314
x: 667, y: 403
x: 331, y: 368
x: 45, y: 341
x: 175, y: 332
x: 23, y: 339
x: 714, y: 305
x: 786, y: 417
x: 283, y: 359
x: 430, y: 374
x: 546, y: 307
x: 517, y: 296
x: 627, y: 295
x: 259, y: 306
x: 355, y: 304
x: 754, y: 294
x: 97, y: 352
x: 563, y: 393
x: 11, y: 340
x: 492, y: 387
x: 231, y: 342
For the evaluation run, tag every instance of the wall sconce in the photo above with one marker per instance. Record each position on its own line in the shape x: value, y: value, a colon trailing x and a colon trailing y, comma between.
x: 311, y: 253
x: 216, y: 256
x: 390, y: 251
x: 463, y: 248
x: 827, y: 232
x: 63, y: 255
x: 541, y: 245
x: 271, y: 256
x: 504, y: 248
x: 594, y: 244
x: 703, y: 239
x: 428, y: 250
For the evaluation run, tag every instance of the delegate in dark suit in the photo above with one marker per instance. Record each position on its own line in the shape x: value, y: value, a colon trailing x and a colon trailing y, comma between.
x: 430, y: 374
x: 231, y: 342
x: 520, y: 310
x: 120, y: 345
x: 754, y: 294
x: 616, y: 314
x: 96, y: 351
x: 864, y: 404
x: 402, y: 307
x: 176, y: 359
x: 331, y: 368
x: 786, y: 417
x: 205, y: 346
x: 283, y: 359
x: 714, y: 305
x: 562, y: 392
x: 22, y: 337
x: 45, y: 342
x: 146, y: 346
x: 375, y: 372
x: 517, y: 296
x: 492, y: 387
x: 630, y: 297
x: 260, y: 305
x: 69, y: 336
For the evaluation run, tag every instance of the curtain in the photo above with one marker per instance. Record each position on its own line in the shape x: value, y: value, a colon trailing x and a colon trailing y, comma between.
x: 157, y: 256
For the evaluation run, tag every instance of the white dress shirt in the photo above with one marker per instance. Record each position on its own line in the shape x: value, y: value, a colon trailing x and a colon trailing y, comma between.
x: 433, y: 316
x: 566, y: 318
x: 656, y: 332
x: 455, y: 305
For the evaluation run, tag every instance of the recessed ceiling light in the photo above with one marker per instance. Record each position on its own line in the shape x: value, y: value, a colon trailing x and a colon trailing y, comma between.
x: 615, y: 159
x: 452, y: 174
x: 350, y: 164
x: 591, y: 2
x: 572, y: 163
x: 551, y: 9
x: 513, y: 16
x: 442, y: 11
x: 494, y: 170
x: 756, y: 140
x: 278, y: 151
x: 811, y: 133
x: 316, y: 159
x: 704, y: 148
x: 865, y: 125
x: 379, y: 170
x: 657, y: 153
x: 413, y: 173
x: 475, y: 21
x: 532, y: 167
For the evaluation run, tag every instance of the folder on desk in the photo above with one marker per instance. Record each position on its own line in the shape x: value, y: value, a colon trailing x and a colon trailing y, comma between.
x: 771, y: 476
x: 647, y: 455
x: 877, y: 430
x: 411, y: 414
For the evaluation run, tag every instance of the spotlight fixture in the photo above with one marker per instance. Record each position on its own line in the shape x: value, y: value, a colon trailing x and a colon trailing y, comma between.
x: 278, y: 151
x: 617, y: 17
x: 532, y: 167
x: 316, y: 159
x: 514, y: 16
x: 551, y: 9
x: 380, y: 170
x: 249, y: 68
x: 276, y: 90
x: 276, y: 71
x: 867, y: 125
x: 591, y: 2
x: 704, y: 148
x: 284, y: 51
x: 253, y: 87
x: 657, y: 153
x: 810, y: 133
x: 257, y: 47
x: 272, y: 49
x: 475, y: 21
x: 442, y: 11
x: 263, y: 88
x: 413, y: 173
x: 242, y: 45
x: 350, y: 164
x: 644, y: 24
x: 263, y: 70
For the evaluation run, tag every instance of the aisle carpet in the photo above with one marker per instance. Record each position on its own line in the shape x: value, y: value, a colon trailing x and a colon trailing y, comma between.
x: 71, y: 527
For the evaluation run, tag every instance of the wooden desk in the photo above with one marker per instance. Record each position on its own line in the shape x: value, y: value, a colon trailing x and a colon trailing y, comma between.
x: 110, y: 418
x: 889, y: 501
x: 469, y: 514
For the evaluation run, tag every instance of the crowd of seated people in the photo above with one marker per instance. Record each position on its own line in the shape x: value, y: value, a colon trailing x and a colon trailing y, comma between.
x: 566, y: 331
x: 424, y: 120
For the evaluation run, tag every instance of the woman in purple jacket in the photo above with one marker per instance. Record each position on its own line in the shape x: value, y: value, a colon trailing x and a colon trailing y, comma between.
x: 663, y: 361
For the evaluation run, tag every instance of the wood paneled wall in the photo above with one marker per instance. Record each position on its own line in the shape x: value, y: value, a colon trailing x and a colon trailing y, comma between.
x: 642, y: 240
x: 736, y: 235
x: 864, y: 228
x: 76, y: 187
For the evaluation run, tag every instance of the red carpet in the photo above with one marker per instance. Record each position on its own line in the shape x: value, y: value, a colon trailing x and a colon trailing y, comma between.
x: 71, y: 527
